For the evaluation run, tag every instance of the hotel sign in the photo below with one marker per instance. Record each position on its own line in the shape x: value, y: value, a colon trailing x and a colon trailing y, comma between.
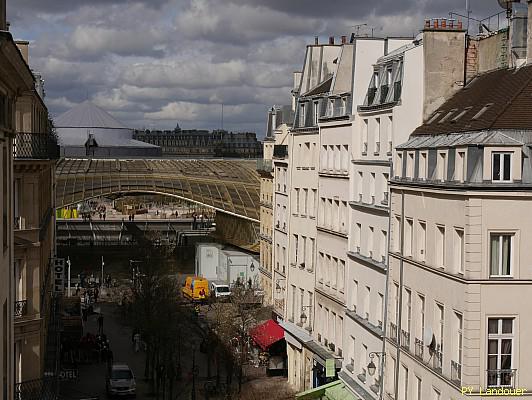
x: 58, y: 275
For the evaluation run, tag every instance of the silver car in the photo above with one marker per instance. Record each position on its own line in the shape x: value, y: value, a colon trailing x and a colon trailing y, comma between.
x: 121, y: 381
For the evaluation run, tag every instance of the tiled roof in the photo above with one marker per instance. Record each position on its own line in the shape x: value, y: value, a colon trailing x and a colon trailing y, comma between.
x: 501, y: 99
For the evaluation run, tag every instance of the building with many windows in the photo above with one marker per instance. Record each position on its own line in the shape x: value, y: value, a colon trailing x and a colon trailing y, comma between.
x: 458, y: 280
x: 35, y: 152
x: 279, y: 121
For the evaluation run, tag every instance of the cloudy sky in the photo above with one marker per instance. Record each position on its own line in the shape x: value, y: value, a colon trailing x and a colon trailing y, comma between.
x: 152, y: 63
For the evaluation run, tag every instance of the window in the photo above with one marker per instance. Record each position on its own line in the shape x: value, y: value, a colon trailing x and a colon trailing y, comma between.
x: 389, y: 135
x: 482, y: 111
x: 341, y: 275
x: 501, y: 167
x: 293, y: 310
x: 331, y: 107
x: 377, y: 135
x: 461, y: 167
x: 399, y: 165
x: 442, y: 166
x: 403, y: 378
x: 423, y: 166
x: 436, y: 394
x: 458, y: 339
x: 434, y: 117
x: 296, y: 245
x: 355, y: 295
x: 440, y: 323
x: 418, y: 388
x: 364, y: 136
x: 422, y: 240
x: 410, y: 165
x: 367, y: 297
x: 500, y: 349
x: 380, y: 311
x: 459, y: 250
x: 440, y: 246
x: 408, y: 293
x: 297, y: 200
x: 5, y: 202
x: 396, y: 300
x: 316, y: 113
x: 305, y: 195
x: 447, y: 116
x: 302, y: 115
x: 310, y: 267
x: 461, y: 114
x: 501, y: 254
x: 409, y: 236
x: 343, y: 106
x: 358, y: 232
x: 421, y: 312
x: 397, y: 233
x: 370, y: 241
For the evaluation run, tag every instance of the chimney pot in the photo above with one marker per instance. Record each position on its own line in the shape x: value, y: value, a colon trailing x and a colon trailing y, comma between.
x: 460, y: 24
x: 344, y: 39
x: 436, y: 23
x: 427, y: 23
x: 331, y: 39
x: 316, y: 40
x: 443, y: 23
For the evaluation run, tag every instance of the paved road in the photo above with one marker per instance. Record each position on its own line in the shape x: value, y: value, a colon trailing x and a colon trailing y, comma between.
x: 91, y: 382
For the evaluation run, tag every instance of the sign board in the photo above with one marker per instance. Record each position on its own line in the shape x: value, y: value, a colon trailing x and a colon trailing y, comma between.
x: 330, y: 369
x: 69, y: 374
x: 59, y: 275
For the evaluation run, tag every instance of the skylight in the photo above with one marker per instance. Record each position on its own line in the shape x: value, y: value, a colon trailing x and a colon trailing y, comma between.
x: 482, y: 111
x: 434, y: 117
x: 461, y: 114
x: 447, y: 116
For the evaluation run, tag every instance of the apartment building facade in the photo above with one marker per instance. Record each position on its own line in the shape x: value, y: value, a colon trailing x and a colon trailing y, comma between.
x: 458, y: 243
x: 279, y: 120
x: 15, y: 78
x: 35, y: 152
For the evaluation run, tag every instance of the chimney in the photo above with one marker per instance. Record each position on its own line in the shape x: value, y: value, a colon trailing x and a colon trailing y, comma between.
x: 24, y: 48
x: 331, y: 39
x: 444, y: 62
x: 344, y: 39
x: 316, y: 40
x: 3, y: 22
x: 529, y: 34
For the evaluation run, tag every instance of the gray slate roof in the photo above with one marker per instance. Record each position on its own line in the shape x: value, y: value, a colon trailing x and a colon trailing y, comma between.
x: 87, y: 115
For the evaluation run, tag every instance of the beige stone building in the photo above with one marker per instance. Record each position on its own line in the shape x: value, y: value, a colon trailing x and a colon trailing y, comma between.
x: 458, y: 283
x: 35, y: 152
x: 279, y: 118
x: 16, y: 80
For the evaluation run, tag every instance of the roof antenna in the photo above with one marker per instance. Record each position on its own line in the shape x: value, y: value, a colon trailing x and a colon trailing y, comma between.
x: 222, y: 116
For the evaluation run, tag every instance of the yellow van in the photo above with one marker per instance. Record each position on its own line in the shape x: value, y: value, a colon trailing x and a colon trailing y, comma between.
x: 196, y: 288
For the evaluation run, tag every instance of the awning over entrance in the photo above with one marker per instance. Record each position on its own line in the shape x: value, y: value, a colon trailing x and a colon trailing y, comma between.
x: 266, y: 334
x: 332, y: 391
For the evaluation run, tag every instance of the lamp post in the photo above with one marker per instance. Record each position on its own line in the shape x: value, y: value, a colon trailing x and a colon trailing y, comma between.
x: 372, y: 368
x: 303, y: 317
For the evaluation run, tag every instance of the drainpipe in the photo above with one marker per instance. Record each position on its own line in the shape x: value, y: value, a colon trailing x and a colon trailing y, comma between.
x: 400, y: 314
x: 386, y: 296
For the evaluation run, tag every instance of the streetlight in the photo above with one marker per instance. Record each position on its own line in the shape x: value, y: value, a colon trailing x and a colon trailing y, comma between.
x: 303, y: 317
x: 372, y: 368
x: 252, y: 267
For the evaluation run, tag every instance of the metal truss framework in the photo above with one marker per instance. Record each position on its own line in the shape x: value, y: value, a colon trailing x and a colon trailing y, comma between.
x: 230, y: 186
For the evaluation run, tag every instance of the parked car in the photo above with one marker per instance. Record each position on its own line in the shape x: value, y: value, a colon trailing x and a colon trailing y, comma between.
x: 121, y: 381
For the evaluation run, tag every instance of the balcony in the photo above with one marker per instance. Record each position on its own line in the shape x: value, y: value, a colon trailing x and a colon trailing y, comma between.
x: 37, y: 389
x: 501, y: 377
x: 393, y: 331
x: 405, y: 339
x: 35, y: 146
x: 280, y: 151
x: 437, y: 361
x: 264, y: 165
x: 21, y: 308
x: 456, y: 372
x: 418, y: 348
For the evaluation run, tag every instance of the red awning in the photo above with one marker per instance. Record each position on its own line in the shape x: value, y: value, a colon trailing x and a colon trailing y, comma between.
x: 266, y: 334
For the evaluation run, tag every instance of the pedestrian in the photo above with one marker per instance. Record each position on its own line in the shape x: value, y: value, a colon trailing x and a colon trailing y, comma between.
x: 96, y: 294
x: 110, y: 358
x: 136, y: 340
x: 100, y: 323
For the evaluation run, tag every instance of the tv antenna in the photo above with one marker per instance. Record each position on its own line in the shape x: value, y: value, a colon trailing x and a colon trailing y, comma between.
x: 357, y: 28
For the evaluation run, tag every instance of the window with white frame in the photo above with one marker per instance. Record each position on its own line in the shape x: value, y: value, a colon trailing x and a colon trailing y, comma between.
x: 399, y: 165
x: 316, y: 113
x: 423, y: 165
x: 364, y: 136
x: 440, y: 246
x: 461, y: 168
x: 410, y: 165
x: 500, y: 351
x: 377, y: 135
x: 380, y: 309
x: 501, y: 167
x: 457, y: 357
x: 341, y: 275
x: 501, y: 254
x: 442, y: 166
x: 409, y: 236
x: 397, y: 233
x: 459, y: 250
x: 302, y: 114
x: 422, y: 240
x: 420, y: 331
x: 354, y: 295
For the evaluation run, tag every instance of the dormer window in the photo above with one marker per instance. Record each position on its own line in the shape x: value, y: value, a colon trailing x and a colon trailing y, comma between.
x: 316, y: 112
x: 343, y: 102
x: 302, y: 114
x: 447, y: 116
x: 331, y: 107
x: 461, y: 114
x: 376, y: 79
x: 501, y: 167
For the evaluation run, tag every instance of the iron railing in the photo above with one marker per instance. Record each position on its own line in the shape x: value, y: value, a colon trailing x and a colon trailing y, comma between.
x: 437, y: 360
x: 418, y: 348
x: 393, y: 331
x: 280, y: 151
x: 501, y: 377
x: 405, y: 339
x: 21, y: 308
x: 264, y: 165
x: 37, y: 389
x: 41, y: 146
x: 456, y: 372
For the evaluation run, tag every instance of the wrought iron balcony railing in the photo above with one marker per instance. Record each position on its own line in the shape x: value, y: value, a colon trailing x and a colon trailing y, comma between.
x: 437, y: 361
x: 21, y: 308
x: 405, y: 339
x: 40, y: 146
x: 501, y: 377
x: 393, y: 331
x: 456, y: 372
x: 418, y: 348
x: 37, y: 389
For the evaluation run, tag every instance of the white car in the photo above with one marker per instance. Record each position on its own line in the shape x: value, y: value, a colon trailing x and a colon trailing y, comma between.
x: 220, y: 290
x: 121, y: 381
